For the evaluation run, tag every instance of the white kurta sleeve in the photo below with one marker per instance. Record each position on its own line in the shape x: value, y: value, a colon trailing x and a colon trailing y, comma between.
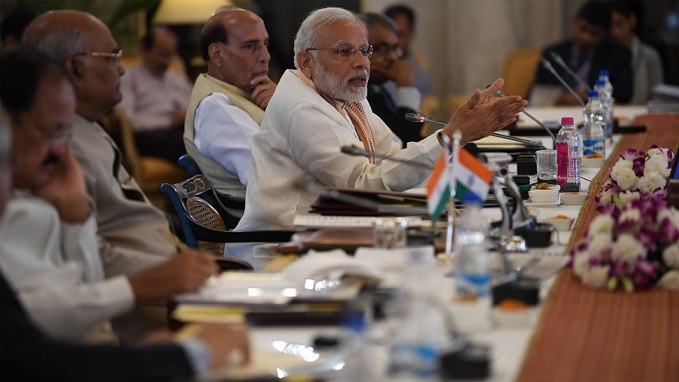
x: 53, y: 269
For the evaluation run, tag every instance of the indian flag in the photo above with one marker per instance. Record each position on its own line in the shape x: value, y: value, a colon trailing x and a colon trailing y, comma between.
x: 472, y: 178
x: 438, y: 188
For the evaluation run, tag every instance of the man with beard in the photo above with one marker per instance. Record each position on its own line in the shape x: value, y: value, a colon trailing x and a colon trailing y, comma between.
x: 321, y: 107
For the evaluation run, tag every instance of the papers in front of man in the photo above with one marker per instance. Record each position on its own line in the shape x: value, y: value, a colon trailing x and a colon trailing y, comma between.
x: 318, y: 275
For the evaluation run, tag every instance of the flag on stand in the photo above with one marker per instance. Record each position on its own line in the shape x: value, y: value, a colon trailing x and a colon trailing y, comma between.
x: 472, y: 178
x: 438, y: 187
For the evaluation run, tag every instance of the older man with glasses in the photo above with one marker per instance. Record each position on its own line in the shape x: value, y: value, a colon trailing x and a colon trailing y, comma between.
x: 387, y: 65
x: 128, y: 226
x: 321, y: 106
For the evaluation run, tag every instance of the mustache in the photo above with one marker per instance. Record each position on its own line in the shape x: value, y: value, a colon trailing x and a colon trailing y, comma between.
x: 360, y: 73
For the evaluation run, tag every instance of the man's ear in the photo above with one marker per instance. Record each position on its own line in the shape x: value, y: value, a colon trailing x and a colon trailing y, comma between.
x: 215, y: 54
x: 305, y: 60
x: 74, y: 69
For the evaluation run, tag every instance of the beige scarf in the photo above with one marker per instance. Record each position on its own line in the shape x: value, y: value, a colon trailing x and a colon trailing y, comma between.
x: 355, y: 112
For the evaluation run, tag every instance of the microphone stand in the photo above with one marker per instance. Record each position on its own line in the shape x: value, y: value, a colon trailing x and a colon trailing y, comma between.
x: 551, y: 69
x: 500, y: 94
x: 418, y: 117
x: 354, y: 150
x: 561, y: 63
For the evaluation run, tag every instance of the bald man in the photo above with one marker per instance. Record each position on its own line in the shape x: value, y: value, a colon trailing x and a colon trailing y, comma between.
x: 155, y: 98
x: 128, y: 226
x: 227, y: 103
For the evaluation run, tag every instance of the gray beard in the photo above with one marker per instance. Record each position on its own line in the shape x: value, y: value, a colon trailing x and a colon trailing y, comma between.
x: 336, y: 87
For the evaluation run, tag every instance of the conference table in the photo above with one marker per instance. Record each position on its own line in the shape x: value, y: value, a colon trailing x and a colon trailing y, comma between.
x: 576, y: 333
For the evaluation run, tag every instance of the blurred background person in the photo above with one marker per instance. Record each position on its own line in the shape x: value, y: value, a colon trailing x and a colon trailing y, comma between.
x: 404, y: 19
x: 627, y: 21
x: 13, y: 25
x: 155, y: 97
x: 588, y: 51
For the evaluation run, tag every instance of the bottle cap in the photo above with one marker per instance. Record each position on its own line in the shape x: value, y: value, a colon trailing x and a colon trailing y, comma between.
x: 599, y: 83
x: 592, y: 94
x: 567, y: 121
x: 603, y: 73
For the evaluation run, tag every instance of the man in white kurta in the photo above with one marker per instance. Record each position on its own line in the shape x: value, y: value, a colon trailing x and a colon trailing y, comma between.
x: 321, y: 107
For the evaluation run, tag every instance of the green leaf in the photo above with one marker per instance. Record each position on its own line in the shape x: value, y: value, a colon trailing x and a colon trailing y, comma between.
x: 612, y: 283
x: 627, y: 285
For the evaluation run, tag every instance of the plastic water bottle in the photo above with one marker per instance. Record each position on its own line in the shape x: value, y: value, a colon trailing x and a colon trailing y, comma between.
x: 568, y: 156
x: 420, y: 327
x: 594, y: 139
x: 473, y: 260
x: 606, y: 99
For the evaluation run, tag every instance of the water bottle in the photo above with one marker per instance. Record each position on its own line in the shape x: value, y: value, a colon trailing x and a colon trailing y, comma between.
x: 568, y: 156
x: 594, y: 139
x: 420, y: 328
x: 606, y: 99
x: 473, y: 260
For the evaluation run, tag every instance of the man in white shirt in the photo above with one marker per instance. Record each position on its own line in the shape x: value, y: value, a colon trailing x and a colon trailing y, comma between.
x: 227, y: 103
x: 322, y: 106
x: 155, y: 98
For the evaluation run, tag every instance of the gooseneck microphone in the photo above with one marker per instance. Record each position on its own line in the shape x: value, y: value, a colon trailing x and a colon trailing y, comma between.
x: 562, y: 63
x: 551, y: 69
x: 500, y: 94
x: 418, y: 117
x: 353, y: 150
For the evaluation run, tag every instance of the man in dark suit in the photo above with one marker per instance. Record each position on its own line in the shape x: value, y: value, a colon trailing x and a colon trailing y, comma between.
x: 387, y: 64
x: 26, y: 353
x: 587, y: 52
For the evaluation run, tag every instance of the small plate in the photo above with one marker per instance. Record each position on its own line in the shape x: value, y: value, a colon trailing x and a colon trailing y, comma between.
x: 573, y: 197
x: 528, y: 203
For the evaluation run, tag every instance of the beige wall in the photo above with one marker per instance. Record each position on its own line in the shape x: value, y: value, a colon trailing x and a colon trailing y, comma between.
x: 466, y: 40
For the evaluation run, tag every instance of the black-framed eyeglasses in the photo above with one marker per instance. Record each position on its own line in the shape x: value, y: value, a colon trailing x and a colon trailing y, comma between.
x: 346, y: 52
x: 385, y: 49
x: 113, y: 57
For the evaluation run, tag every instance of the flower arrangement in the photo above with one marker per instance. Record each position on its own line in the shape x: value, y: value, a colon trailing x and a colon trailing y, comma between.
x: 637, y: 172
x: 634, y: 243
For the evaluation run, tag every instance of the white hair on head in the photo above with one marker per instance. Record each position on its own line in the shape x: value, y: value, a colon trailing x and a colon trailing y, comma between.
x: 306, y: 35
x: 61, y: 43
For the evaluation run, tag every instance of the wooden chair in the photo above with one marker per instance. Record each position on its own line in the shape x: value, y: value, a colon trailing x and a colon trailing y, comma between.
x: 206, y: 221
x: 519, y: 71
x: 149, y: 172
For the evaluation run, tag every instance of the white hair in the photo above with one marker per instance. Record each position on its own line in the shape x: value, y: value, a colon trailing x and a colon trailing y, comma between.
x: 61, y: 43
x: 306, y: 35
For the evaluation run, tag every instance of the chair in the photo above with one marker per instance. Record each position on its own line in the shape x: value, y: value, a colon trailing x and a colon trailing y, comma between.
x: 149, y: 172
x: 205, y: 220
x: 235, y: 205
x: 519, y: 71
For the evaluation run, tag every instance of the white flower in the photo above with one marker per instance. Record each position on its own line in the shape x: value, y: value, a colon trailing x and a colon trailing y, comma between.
x: 601, y: 224
x: 628, y: 196
x: 657, y: 164
x: 650, y: 182
x: 670, y: 280
x: 671, y: 255
x: 632, y: 214
x: 625, y: 177
x: 623, y: 163
x: 627, y: 248
x: 658, y: 151
x: 581, y: 263
x: 671, y: 213
x: 596, y: 276
x: 599, y: 242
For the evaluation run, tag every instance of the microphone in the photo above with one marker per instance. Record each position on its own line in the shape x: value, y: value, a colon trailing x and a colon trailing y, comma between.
x: 418, y: 117
x: 561, y: 63
x: 356, y: 151
x: 551, y: 69
x: 500, y: 94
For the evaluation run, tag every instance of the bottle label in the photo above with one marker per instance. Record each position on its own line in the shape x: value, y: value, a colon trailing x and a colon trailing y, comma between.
x: 561, y: 162
x: 593, y: 148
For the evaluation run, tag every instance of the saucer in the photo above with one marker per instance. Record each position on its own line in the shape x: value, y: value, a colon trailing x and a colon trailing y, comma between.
x: 541, y: 205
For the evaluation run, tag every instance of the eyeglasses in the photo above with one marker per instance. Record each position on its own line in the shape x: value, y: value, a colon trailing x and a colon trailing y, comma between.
x: 113, y: 57
x: 385, y: 49
x: 346, y: 52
